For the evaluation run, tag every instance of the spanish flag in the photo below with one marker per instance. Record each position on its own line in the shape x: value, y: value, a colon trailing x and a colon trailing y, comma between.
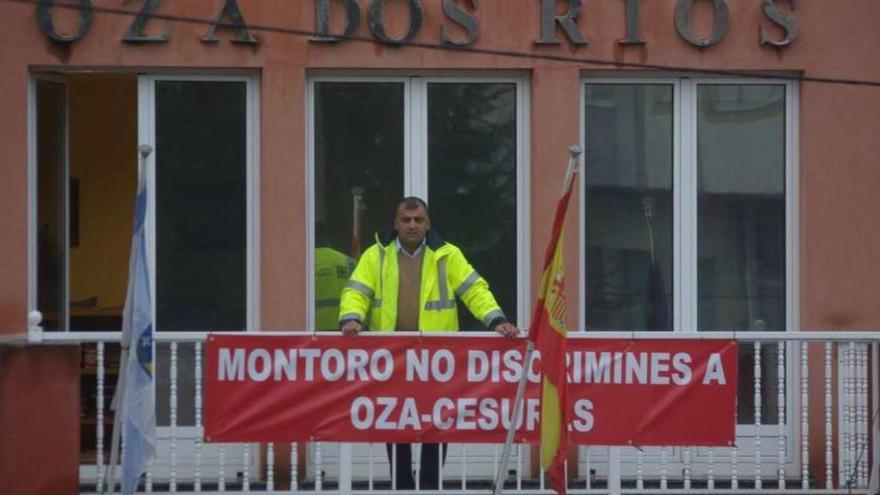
x: 548, y: 332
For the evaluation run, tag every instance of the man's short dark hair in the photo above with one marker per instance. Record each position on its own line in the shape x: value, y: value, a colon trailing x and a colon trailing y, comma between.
x: 412, y: 203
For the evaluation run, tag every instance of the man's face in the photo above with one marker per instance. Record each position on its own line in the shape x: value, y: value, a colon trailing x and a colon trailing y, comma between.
x: 411, y: 226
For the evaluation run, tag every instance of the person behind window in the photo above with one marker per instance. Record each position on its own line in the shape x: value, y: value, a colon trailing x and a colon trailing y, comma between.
x: 408, y: 280
x: 332, y: 270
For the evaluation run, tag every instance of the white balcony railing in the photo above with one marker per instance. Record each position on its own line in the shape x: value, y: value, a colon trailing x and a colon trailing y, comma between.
x: 810, y: 427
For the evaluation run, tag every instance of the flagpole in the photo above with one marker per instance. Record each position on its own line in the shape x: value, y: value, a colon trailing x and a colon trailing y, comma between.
x: 574, y: 152
x: 118, y: 402
x: 357, y: 196
x: 118, y: 399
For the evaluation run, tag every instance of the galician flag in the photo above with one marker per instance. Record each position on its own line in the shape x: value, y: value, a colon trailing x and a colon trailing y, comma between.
x: 138, y: 415
x: 548, y: 332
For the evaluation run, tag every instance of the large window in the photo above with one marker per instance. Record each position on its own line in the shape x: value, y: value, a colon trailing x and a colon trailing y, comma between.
x: 457, y: 143
x: 87, y: 131
x: 687, y: 223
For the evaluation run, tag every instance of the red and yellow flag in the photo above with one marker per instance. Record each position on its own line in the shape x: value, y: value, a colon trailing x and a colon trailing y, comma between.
x: 548, y: 332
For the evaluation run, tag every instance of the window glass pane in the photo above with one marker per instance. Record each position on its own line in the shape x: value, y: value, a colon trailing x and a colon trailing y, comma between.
x: 472, y: 181
x: 628, y: 221
x: 201, y: 205
x: 359, y: 143
x: 51, y: 208
x: 741, y: 236
x: 741, y: 194
x: 102, y: 187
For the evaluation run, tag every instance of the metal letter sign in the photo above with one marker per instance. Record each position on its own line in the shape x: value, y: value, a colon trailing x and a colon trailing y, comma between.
x: 44, y: 19
x: 549, y: 20
x: 135, y: 33
x: 322, y: 20
x: 230, y: 9
x: 462, y: 13
x: 684, y: 22
x: 376, y: 20
x: 633, y: 34
x: 462, y: 18
x: 781, y: 18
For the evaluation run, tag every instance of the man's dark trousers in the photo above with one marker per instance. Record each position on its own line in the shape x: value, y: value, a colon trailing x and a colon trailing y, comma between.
x: 429, y: 475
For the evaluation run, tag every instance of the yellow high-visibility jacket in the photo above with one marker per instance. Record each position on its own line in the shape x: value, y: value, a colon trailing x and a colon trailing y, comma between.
x: 370, y: 296
x: 332, y: 270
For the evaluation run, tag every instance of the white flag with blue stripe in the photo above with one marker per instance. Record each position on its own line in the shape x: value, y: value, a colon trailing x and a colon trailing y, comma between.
x: 138, y: 413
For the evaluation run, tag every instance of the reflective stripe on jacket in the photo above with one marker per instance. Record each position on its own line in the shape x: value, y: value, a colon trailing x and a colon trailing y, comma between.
x: 370, y: 295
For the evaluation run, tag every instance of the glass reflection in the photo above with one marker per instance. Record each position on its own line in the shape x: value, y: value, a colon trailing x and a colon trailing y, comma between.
x: 628, y: 219
x: 201, y: 206
x: 741, y: 194
x: 472, y: 181
x: 359, y: 145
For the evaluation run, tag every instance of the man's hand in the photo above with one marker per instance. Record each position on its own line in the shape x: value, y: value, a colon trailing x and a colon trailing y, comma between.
x: 351, y: 328
x: 508, y: 330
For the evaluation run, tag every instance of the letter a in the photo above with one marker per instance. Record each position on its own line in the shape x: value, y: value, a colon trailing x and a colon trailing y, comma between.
x: 715, y: 370
x: 230, y: 9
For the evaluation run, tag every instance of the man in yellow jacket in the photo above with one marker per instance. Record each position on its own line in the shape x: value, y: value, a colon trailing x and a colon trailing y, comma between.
x: 409, y: 280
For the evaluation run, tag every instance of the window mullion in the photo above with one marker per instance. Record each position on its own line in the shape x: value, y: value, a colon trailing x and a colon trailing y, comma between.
x: 523, y: 279
x: 147, y: 135
x: 792, y: 275
x: 252, y: 252
x: 686, y: 198
x: 416, y: 122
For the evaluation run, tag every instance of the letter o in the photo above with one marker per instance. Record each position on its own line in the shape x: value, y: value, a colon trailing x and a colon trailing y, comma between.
x: 362, y: 405
x: 376, y: 21
x: 263, y: 374
x: 44, y: 19
x: 684, y: 23
x: 332, y: 355
x: 442, y: 355
x: 382, y: 357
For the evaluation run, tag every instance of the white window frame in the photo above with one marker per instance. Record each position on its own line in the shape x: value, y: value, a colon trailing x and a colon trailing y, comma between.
x: 685, y: 239
x: 415, y: 122
x: 146, y: 135
x: 685, y: 193
x: 32, y: 192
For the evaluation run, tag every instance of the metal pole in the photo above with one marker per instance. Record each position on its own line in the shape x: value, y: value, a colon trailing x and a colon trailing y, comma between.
x: 117, y: 407
x: 520, y: 391
x: 357, y: 196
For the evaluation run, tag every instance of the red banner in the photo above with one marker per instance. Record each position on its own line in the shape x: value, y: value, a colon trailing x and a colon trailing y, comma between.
x: 377, y: 388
